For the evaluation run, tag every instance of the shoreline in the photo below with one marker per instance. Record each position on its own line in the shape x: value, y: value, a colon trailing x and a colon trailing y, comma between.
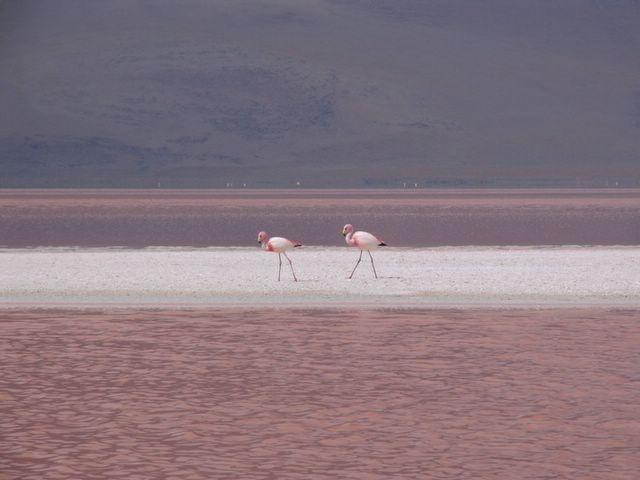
x: 309, y: 247
x: 336, y: 307
x: 439, y: 278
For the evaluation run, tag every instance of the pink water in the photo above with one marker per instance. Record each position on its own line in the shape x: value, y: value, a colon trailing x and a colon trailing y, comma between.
x: 140, y: 218
x: 320, y: 394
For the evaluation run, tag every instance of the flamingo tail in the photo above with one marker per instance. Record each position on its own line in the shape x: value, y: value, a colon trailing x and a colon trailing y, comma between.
x: 382, y: 244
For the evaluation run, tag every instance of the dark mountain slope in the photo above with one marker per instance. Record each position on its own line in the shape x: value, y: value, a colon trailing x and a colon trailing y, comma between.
x: 328, y: 93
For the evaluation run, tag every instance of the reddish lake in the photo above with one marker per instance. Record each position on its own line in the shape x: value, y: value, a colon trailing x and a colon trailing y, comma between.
x: 140, y: 218
x: 320, y: 394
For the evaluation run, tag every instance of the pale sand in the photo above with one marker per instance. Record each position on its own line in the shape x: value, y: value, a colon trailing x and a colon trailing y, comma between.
x: 448, y: 276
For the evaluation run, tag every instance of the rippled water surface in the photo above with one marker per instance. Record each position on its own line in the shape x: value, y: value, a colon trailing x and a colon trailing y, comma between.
x: 279, y: 394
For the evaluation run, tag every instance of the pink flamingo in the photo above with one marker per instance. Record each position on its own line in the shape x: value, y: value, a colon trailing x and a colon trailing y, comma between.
x: 363, y: 241
x: 280, y: 246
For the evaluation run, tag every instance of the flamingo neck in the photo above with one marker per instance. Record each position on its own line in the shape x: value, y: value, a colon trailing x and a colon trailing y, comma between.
x: 349, y: 238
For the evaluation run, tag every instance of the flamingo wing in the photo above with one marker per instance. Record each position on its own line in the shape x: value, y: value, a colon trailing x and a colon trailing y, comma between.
x: 279, y: 244
x: 365, y: 240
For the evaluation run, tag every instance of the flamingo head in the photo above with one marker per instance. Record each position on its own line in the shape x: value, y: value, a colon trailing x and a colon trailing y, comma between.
x: 262, y: 237
x: 347, y: 229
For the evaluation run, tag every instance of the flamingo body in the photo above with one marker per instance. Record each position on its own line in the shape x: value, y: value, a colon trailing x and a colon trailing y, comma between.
x: 281, y: 246
x: 363, y: 241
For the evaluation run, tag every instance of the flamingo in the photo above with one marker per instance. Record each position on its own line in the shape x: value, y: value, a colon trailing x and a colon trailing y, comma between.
x: 280, y: 246
x: 363, y: 241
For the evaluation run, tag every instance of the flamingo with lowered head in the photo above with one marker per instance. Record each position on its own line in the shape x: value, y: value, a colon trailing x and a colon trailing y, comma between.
x: 363, y: 241
x: 280, y: 246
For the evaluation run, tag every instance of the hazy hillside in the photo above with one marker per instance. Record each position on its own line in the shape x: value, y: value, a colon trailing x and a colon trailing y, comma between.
x: 325, y: 92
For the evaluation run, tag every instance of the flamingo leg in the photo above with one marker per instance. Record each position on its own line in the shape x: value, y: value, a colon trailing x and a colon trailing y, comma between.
x: 279, y: 265
x: 357, y: 263
x: 372, y: 264
x: 291, y: 265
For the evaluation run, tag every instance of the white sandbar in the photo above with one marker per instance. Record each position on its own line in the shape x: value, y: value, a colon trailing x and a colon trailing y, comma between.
x: 446, y: 276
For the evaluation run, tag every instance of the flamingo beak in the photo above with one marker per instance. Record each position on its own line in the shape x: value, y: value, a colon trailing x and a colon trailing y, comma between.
x: 344, y: 233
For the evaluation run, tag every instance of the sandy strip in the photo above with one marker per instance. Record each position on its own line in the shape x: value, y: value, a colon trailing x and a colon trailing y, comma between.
x: 464, y: 276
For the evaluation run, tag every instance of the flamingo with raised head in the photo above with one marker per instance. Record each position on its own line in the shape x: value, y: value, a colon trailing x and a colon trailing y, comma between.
x: 280, y: 246
x: 363, y: 241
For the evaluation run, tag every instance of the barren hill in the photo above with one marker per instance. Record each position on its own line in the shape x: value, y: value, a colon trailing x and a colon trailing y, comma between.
x: 195, y: 93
